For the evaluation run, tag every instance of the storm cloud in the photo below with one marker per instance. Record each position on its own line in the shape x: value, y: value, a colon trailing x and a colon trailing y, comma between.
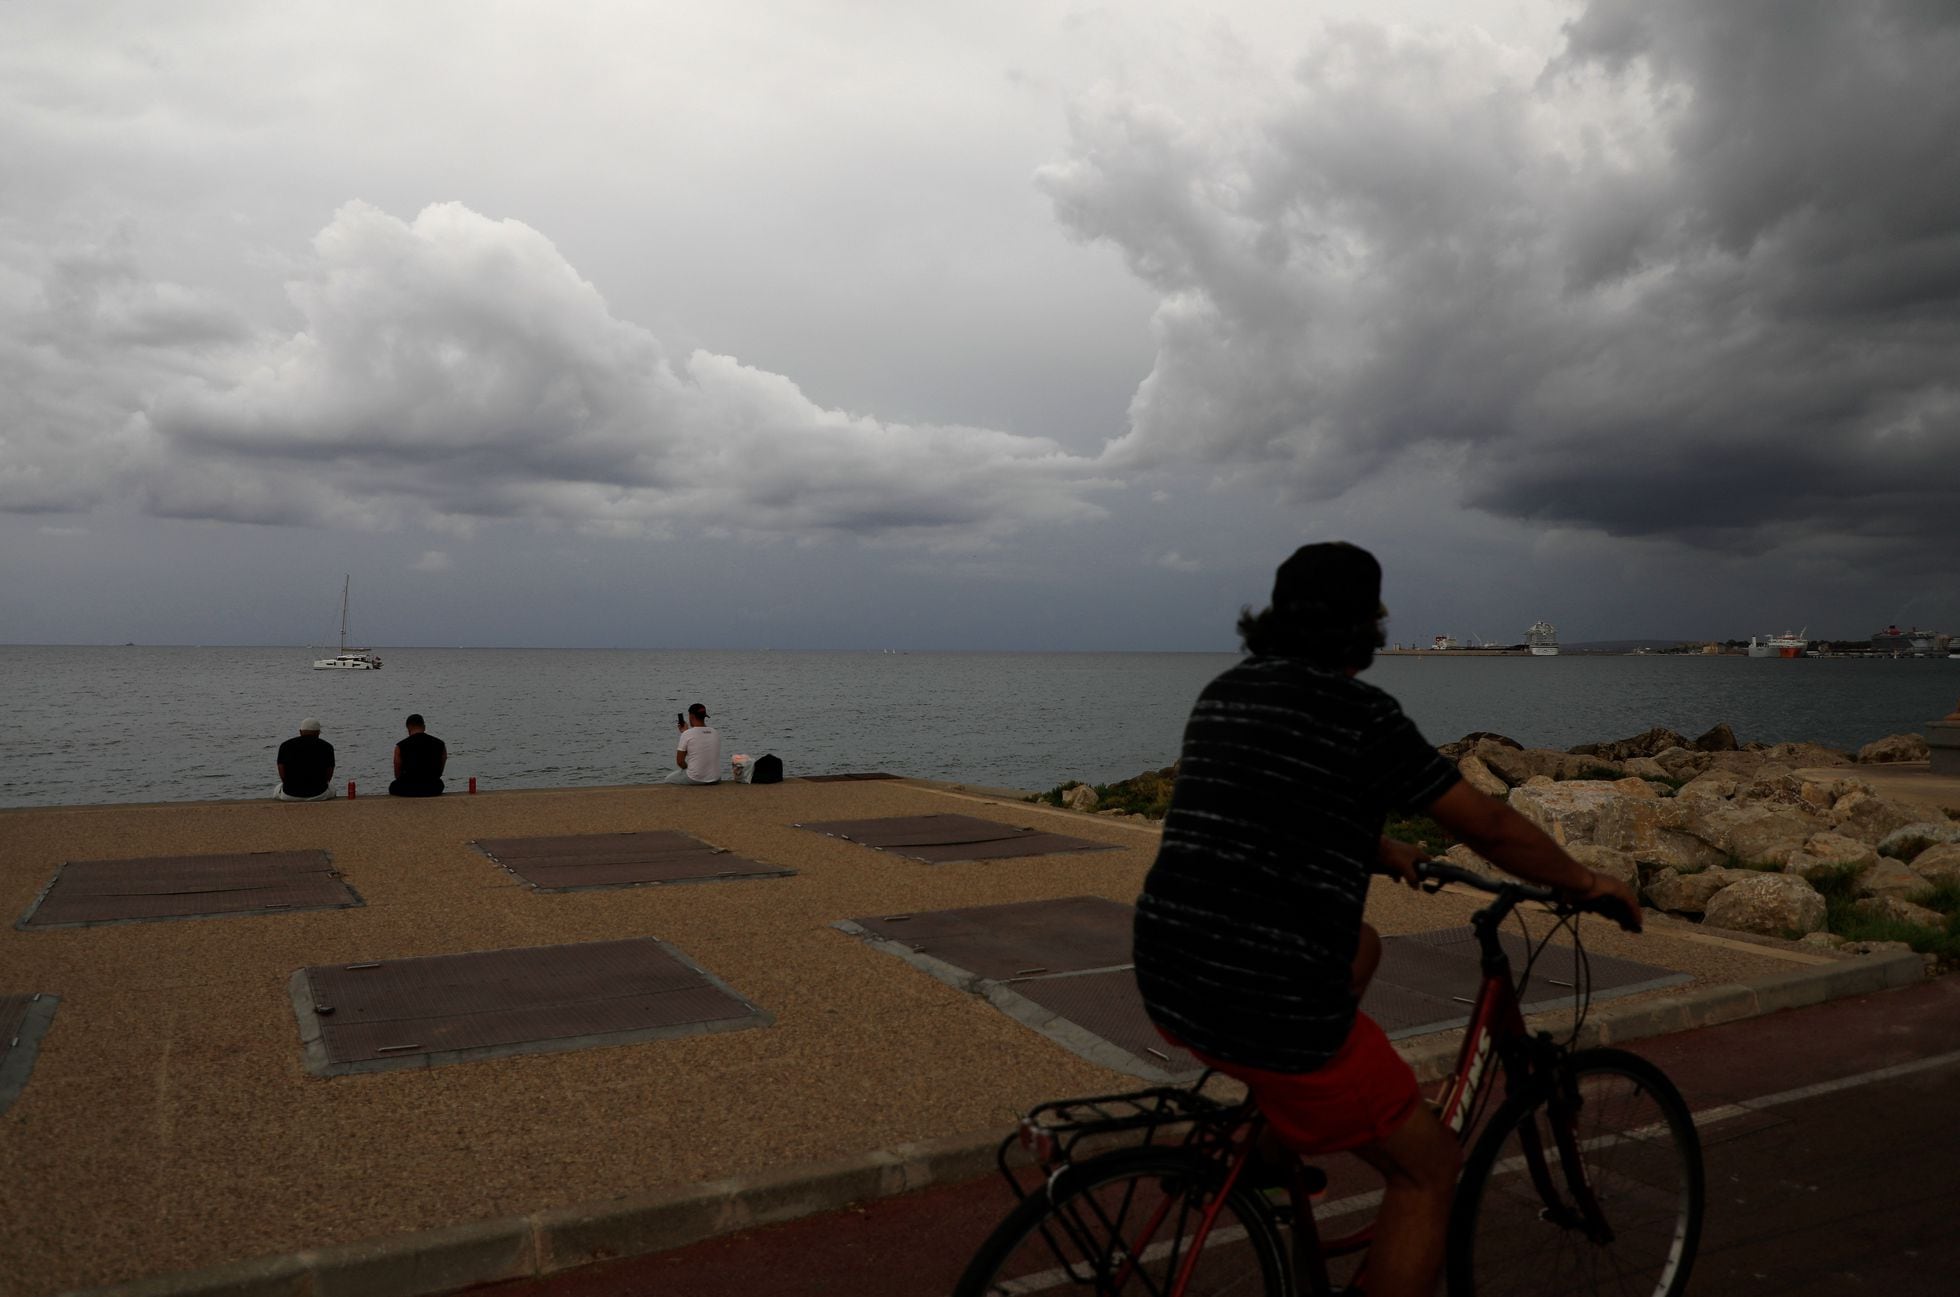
x: 455, y: 368
x: 1695, y: 276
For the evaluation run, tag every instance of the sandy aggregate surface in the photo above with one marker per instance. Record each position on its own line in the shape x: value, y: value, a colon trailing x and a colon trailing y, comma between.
x: 170, y: 1124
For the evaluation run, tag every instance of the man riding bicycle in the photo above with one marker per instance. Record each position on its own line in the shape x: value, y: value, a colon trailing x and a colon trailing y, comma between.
x: 1251, y: 952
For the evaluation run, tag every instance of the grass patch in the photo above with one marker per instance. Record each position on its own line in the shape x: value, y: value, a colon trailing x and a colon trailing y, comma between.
x: 1602, y: 772
x: 1944, y: 897
x: 1419, y: 829
x: 1839, y: 887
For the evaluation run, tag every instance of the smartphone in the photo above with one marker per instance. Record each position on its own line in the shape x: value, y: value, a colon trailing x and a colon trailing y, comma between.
x: 680, y: 719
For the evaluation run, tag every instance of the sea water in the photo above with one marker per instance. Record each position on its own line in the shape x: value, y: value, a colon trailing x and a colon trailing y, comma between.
x: 100, y: 724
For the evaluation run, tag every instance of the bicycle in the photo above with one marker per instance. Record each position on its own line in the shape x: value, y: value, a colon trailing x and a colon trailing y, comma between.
x: 1587, y: 1177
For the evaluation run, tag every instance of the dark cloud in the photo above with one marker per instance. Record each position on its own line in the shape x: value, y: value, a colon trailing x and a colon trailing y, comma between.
x: 1696, y: 277
x: 455, y: 368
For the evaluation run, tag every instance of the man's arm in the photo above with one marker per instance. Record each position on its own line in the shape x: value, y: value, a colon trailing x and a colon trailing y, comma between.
x: 1516, y: 845
x: 442, y: 758
x: 398, y: 761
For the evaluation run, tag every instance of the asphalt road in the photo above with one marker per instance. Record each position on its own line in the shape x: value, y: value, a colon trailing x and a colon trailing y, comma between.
x: 1832, y: 1141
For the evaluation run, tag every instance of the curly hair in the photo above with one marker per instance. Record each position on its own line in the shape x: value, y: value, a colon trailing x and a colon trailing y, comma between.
x: 1331, y: 645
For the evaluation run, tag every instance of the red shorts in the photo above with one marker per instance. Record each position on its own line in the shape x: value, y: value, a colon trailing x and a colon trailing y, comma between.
x: 1360, y: 1096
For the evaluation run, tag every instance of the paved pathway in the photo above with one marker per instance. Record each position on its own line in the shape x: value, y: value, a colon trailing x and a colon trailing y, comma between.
x: 1833, y: 1155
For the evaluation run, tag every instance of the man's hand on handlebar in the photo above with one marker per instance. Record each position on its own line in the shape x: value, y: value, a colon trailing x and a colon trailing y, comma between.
x: 1399, y: 859
x: 1612, y: 898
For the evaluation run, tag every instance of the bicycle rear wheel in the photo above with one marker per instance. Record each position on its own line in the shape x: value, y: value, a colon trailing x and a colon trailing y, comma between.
x: 1516, y: 1227
x: 1124, y: 1225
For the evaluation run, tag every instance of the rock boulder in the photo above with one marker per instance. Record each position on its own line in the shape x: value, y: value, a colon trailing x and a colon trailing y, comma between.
x: 1774, y: 905
x: 1869, y: 817
x: 1607, y: 861
x: 1080, y: 798
x: 1888, y: 877
x: 1480, y: 777
x: 1824, y: 852
x: 1894, y: 747
x: 1755, y: 833
x: 1680, y: 893
x: 1649, y: 744
x: 1719, y: 739
x: 1909, y: 840
x: 1805, y: 754
x: 1940, y: 864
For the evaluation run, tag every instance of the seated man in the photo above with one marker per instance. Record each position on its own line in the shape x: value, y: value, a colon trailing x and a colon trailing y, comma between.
x: 419, y: 760
x: 697, y: 756
x: 305, y: 766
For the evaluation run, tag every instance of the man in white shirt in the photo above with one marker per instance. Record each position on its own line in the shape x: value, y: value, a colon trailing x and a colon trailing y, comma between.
x: 697, y: 757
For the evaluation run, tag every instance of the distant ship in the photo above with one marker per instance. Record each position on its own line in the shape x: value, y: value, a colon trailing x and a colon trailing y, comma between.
x: 1785, y: 645
x: 1443, y: 642
x: 1894, y: 640
x: 1543, y: 639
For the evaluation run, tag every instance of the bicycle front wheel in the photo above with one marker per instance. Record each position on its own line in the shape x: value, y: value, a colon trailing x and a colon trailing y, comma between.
x: 1519, y: 1226
x: 1126, y: 1224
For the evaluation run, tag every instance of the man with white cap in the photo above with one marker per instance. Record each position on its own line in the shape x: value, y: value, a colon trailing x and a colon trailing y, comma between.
x: 305, y: 766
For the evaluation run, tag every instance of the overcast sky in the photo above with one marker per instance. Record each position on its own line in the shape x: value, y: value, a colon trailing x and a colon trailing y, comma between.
x: 1015, y: 325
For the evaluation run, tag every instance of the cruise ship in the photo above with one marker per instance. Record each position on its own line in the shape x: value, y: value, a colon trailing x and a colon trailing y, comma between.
x: 1543, y: 639
x: 1785, y: 645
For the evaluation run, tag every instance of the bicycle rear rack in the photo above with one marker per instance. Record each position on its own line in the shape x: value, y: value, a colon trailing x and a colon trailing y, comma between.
x: 1051, y: 1132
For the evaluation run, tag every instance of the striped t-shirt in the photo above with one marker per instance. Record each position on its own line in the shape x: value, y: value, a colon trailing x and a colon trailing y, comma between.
x: 1249, y: 920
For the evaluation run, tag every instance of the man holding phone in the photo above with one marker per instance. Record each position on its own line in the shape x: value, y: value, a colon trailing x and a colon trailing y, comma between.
x: 697, y: 756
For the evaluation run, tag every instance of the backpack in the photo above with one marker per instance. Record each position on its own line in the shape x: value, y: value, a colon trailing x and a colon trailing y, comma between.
x: 766, y: 769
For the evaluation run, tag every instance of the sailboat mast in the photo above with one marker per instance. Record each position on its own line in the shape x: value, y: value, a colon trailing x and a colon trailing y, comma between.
x: 346, y: 582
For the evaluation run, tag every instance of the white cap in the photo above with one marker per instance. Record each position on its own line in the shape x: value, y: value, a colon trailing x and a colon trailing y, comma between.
x: 311, y: 725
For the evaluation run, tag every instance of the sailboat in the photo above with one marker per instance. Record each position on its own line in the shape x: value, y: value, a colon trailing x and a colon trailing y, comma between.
x: 347, y: 659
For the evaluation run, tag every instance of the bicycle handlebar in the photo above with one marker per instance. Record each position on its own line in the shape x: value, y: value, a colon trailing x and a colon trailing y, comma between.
x: 1434, y: 873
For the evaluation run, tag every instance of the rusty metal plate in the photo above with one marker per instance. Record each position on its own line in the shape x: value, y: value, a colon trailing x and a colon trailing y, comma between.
x: 942, y: 839
x: 180, y: 887
x: 581, y: 861
x: 24, y: 1019
x: 437, y: 1009
x: 1022, y: 939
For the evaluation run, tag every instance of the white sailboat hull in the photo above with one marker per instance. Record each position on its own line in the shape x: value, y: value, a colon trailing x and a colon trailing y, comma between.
x: 348, y: 662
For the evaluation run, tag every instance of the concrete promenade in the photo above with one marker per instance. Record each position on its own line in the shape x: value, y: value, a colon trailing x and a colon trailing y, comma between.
x: 170, y: 1133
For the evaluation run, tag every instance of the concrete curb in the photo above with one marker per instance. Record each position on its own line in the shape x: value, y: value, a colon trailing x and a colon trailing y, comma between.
x: 430, y: 1263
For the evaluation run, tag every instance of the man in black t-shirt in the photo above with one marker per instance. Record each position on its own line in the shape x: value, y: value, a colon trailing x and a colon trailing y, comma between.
x: 305, y: 766
x: 1250, y: 949
x: 419, y: 760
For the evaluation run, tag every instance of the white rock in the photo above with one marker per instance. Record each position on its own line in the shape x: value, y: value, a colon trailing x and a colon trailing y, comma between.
x: 1645, y: 768
x: 1080, y: 798
x: 1775, y: 905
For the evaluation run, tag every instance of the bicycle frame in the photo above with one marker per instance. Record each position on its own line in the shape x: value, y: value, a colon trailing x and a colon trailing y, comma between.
x: 1226, y: 1136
